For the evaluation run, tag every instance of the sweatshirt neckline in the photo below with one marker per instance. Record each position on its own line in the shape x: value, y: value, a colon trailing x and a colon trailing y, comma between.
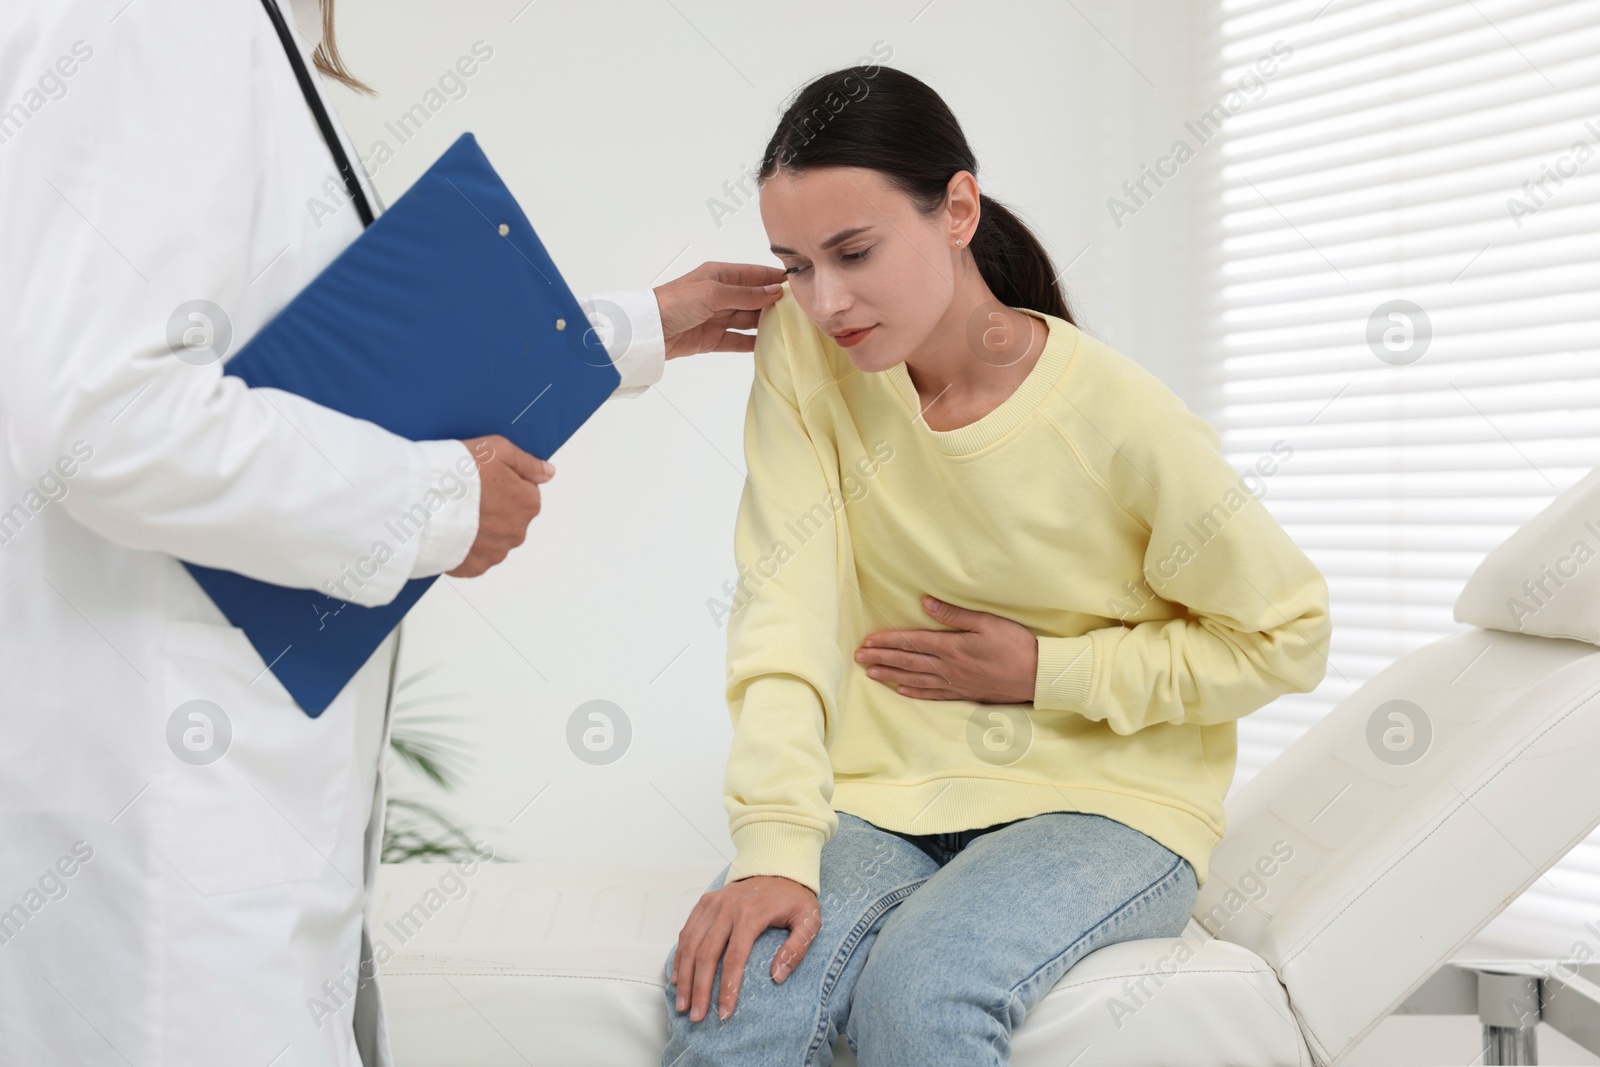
x: 1014, y: 410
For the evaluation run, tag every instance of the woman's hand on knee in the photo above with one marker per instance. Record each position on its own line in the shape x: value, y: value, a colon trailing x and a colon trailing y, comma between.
x: 725, y: 924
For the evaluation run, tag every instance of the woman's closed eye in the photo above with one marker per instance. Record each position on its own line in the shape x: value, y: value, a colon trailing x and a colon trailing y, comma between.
x: 848, y: 257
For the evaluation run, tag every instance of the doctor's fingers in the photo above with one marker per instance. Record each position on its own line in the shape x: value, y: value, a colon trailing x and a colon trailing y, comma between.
x: 714, y: 288
x: 735, y: 320
x: 721, y: 298
x: 734, y: 342
x: 529, y: 467
x: 496, y: 449
x: 507, y: 503
x: 734, y: 285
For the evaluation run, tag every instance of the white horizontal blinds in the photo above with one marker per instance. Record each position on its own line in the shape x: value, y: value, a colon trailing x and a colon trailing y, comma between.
x: 1444, y: 153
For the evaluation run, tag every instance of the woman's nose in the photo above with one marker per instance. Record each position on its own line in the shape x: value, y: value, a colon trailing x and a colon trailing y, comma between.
x: 831, y: 297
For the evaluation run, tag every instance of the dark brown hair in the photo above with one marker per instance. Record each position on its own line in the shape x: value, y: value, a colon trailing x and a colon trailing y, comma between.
x: 884, y: 119
x: 326, y: 58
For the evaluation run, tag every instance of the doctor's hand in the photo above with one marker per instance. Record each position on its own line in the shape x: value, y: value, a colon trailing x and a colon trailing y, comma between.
x: 731, y: 918
x: 984, y: 657
x: 699, y: 309
x: 508, y: 499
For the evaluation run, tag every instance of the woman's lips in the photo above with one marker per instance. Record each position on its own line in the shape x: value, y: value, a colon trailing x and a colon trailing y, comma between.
x: 854, y: 337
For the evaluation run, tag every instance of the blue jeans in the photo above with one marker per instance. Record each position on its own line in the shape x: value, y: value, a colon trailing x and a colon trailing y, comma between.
x: 933, y: 948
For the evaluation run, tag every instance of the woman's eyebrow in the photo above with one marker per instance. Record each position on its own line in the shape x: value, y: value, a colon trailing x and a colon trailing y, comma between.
x: 838, y: 238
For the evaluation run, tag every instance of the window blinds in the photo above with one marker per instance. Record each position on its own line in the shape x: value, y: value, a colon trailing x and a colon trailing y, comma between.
x: 1401, y: 264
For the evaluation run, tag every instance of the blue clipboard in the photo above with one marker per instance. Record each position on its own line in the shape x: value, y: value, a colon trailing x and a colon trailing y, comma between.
x: 434, y: 324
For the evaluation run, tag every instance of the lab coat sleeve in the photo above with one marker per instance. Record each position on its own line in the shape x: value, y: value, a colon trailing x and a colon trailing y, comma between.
x: 126, y: 218
x: 629, y: 324
x: 450, y: 532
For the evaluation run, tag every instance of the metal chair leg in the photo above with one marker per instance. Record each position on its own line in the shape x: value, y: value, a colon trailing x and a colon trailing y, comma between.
x: 1508, y: 1007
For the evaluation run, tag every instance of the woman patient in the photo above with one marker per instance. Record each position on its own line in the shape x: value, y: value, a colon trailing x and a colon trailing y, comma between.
x: 1001, y: 600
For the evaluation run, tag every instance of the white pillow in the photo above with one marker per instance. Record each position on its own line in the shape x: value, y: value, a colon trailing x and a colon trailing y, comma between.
x: 1545, y: 578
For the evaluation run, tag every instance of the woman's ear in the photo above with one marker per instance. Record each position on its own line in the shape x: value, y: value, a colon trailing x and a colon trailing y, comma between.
x: 962, y: 207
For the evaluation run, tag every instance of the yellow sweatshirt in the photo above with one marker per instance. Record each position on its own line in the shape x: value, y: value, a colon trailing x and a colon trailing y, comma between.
x: 1093, y: 507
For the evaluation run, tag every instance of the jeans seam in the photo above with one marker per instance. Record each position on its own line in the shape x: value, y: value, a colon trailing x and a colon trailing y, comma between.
x: 1130, y: 907
x: 846, y: 947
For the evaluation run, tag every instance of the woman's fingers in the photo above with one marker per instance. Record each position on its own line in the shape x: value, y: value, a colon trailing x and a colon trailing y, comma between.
x: 803, y: 927
x: 680, y: 965
x: 682, y: 972
x: 706, y: 955
x: 725, y: 926
x: 921, y: 662
x: 802, y: 931
x: 915, y: 679
x: 958, y: 617
x: 933, y: 642
x: 683, y: 961
x: 743, y: 936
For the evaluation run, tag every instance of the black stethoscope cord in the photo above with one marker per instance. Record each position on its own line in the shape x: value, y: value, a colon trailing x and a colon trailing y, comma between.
x: 309, y: 89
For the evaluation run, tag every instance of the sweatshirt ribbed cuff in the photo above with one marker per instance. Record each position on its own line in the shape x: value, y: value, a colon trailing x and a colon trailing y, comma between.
x: 1065, y: 677
x: 778, y: 848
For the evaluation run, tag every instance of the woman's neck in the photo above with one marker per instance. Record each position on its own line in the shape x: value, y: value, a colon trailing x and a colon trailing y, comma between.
x: 975, y: 358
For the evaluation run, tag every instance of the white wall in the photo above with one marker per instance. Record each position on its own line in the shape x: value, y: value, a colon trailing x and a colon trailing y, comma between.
x: 614, y: 124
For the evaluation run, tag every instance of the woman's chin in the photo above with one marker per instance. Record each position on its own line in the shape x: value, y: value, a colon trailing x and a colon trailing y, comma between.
x: 874, y: 362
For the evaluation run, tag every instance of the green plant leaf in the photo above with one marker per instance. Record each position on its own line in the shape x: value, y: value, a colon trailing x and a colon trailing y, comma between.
x: 415, y: 831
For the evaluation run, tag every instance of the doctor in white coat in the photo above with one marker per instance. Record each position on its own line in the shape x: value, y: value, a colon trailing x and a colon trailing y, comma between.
x: 185, y: 856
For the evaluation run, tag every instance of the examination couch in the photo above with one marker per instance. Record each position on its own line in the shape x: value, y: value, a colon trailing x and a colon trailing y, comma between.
x: 1356, y: 866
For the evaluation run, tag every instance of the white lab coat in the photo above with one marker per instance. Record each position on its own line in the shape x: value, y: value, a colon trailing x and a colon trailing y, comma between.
x: 155, y: 911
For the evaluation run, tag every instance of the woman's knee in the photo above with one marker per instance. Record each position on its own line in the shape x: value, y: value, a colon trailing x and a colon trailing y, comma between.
x: 771, y: 1022
x: 865, y: 874
x: 1164, y: 909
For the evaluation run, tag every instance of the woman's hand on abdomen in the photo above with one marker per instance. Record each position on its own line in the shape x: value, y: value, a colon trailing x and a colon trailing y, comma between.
x: 984, y: 657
